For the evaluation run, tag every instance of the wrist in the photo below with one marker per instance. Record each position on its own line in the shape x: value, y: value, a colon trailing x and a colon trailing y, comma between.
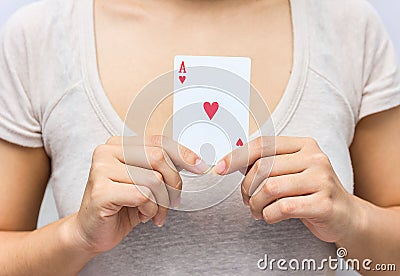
x: 358, y: 221
x: 72, y: 238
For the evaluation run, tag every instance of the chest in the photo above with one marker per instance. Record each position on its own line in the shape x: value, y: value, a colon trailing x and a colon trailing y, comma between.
x: 135, y: 49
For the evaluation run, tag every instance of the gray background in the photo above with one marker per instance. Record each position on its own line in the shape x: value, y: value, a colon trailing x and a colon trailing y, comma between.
x: 389, y: 10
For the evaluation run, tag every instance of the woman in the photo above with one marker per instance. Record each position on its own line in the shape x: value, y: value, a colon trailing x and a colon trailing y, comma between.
x: 68, y: 71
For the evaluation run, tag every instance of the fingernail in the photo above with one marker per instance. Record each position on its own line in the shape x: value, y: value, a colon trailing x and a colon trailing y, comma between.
x: 220, y: 167
x: 201, y: 165
x: 179, y: 185
x: 161, y: 223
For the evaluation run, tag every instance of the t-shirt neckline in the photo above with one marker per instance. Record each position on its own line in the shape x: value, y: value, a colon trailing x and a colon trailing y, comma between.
x: 114, y: 124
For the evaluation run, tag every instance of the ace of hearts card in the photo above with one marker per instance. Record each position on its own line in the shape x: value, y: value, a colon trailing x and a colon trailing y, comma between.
x: 211, y: 104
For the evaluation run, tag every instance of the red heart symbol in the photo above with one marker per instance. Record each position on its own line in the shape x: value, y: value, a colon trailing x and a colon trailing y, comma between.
x: 211, y: 109
x: 182, y: 79
x: 239, y: 143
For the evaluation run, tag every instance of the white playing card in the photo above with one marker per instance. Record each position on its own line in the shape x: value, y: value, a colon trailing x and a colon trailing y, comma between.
x: 211, y: 104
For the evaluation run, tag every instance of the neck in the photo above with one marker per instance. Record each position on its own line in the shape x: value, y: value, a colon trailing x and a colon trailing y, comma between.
x: 181, y: 8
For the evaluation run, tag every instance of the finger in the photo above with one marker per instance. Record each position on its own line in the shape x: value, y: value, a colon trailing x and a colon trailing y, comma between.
x: 122, y: 194
x: 258, y: 148
x: 154, y: 181
x: 181, y: 156
x: 159, y: 161
x: 151, y: 180
x: 121, y: 173
x: 142, y: 218
x: 279, y: 187
x: 160, y: 216
x: 293, y: 207
x: 164, y: 182
x: 115, y: 140
x: 115, y: 170
x: 147, y: 211
x: 151, y: 158
x: 128, y: 140
x: 135, y: 217
x: 154, y: 158
x: 271, y: 166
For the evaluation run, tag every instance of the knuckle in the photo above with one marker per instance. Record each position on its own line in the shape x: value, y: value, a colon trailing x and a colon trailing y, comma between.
x: 257, y: 166
x: 157, y: 156
x: 157, y: 181
x: 325, y: 178
x: 187, y: 155
x: 319, y: 158
x: 142, y: 195
x: 153, y: 211
x: 158, y: 177
x: 286, y: 207
x: 311, y: 141
x: 101, y: 160
x: 260, y: 167
x: 271, y: 188
x: 255, y: 210
x: 98, y: 168
x: 157, y: 140
x: 101, y: 151
x: 269, y: 161
x: 141, y: 198
x: 263, y: 169
x: 266, y: 218
x: 251, y: 206
x: 265, y: 189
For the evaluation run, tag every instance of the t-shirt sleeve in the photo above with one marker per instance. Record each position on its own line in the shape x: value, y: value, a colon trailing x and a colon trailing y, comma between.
x: 381, y: 75
x: 19, y: 123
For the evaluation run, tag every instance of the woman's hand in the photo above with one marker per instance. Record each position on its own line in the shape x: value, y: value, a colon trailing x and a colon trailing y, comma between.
x: 292, y: 178
x: 127, y: 180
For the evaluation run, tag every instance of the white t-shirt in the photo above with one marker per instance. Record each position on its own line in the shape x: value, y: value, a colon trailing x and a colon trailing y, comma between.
x: 344, y: 69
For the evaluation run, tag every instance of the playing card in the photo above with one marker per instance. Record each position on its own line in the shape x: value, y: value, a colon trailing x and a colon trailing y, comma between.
x: 211, y: 104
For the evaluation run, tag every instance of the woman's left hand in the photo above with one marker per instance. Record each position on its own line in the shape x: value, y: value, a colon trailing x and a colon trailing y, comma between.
x: 289, y: 177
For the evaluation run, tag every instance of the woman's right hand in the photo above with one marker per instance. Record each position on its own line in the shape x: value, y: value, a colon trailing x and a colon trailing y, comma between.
x: 130, y: 181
